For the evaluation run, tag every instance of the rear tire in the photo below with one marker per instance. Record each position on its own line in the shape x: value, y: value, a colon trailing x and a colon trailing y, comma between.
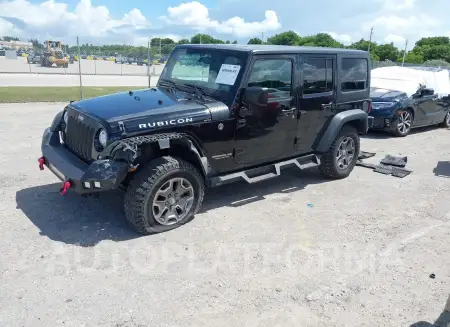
x: 342, y: 155
x: 164, y: 195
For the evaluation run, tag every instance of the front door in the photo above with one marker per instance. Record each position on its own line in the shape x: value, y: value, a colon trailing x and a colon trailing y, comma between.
x: 316, y: 100
x: 268, y: 132
x: 428, y: 109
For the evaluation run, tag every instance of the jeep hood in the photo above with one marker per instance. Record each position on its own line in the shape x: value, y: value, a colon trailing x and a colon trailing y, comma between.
x: 155, y: 108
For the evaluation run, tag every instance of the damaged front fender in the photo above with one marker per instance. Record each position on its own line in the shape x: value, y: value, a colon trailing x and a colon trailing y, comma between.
x: 130, y: 149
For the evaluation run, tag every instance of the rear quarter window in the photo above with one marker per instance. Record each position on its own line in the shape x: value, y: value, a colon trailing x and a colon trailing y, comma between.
x: 354, y: 72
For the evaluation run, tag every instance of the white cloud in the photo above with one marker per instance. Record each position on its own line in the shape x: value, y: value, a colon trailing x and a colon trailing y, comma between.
x: 53, y: 19
x: 343, y: 38
x: 7, y: 28
x: 398, y: 40
x: 398, y: 4
x: 196, y: 16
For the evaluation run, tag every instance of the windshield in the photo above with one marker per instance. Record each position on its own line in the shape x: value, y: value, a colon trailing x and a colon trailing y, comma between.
x: 215, y: 71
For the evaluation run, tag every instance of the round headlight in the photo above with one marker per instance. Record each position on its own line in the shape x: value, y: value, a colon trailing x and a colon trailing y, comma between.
x: 102, y: 137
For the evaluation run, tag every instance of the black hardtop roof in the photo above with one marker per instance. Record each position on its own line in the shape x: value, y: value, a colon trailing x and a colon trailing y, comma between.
x: 262, y: 48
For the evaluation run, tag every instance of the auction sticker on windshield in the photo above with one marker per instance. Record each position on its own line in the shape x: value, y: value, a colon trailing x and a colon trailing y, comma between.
x: 228, y: 74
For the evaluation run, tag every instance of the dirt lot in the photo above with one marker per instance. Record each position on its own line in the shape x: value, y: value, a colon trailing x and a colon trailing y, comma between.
x: 294, y: 251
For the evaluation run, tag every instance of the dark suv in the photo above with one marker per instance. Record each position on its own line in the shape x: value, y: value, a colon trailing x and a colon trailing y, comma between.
x: 228, y: 113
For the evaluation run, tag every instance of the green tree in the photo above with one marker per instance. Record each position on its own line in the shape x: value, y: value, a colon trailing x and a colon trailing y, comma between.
x: 433, y: 41
x: 255, y: 40
x: 437, y: 52
x: 363, y: 45
x: 320, y: 40
x: 387, y: 52
x: 10, y: 38
x: 234, y: 42
x: 205, y: 39
x: 285, y: 38
x: 184, y: 41
x: 36, y: 44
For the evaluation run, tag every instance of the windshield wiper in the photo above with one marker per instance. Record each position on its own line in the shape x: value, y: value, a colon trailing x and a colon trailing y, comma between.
x: 199, y: 92
x: 171, y: 85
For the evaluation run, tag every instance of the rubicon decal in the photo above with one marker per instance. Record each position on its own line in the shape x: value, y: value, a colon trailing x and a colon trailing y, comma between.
x: 167, y: 122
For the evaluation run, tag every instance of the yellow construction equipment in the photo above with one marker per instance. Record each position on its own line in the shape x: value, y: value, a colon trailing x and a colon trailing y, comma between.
x: 53, y: 54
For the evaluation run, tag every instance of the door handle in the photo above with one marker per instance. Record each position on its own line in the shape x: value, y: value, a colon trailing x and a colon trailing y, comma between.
x: 327, y: 105
x: 289, y: 110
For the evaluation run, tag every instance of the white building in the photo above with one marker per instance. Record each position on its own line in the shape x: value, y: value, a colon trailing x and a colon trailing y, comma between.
x: 16, y: 45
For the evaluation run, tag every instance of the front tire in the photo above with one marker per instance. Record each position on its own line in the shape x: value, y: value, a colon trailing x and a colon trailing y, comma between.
x: 342, y: 155
x: 404, y: 123
x: 164, y: 195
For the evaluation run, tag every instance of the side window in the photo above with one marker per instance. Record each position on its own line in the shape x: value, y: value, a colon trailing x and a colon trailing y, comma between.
x: 273, y: 74
x: 354, y: 74
x: 317, y: 75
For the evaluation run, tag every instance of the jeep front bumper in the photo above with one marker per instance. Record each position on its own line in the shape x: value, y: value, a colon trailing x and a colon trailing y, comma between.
x: 83, y: 178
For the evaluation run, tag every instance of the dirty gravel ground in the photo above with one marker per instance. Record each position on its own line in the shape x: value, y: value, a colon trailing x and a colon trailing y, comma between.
x: 294, y: 251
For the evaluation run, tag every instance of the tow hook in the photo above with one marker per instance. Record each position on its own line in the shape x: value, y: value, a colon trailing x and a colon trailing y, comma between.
x: 65, y: 186
x: 41, y: 161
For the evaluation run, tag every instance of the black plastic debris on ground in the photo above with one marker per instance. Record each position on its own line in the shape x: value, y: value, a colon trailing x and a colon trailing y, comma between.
x: 394, y: 161
x: 389, y: 165
x: 364, y: 155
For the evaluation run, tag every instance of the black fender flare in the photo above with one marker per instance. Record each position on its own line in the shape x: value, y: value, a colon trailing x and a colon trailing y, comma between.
x: 356, y: 117
x: 56, y: 123
x: 129, y: 149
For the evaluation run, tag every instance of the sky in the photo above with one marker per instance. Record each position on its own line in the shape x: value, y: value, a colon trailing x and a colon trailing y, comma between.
x: 133, y: 22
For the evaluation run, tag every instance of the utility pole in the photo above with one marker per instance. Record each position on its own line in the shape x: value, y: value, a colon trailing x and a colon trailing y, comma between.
x: 404, y: 53
x: 370, y: 39
x: 200, y: 39
x: 160, y: 50
x: 148, y: 62
x: 262, y: 37
x: 79, y: 68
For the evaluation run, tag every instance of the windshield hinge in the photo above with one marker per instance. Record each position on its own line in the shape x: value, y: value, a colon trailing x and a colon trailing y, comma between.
x: 122, y: 128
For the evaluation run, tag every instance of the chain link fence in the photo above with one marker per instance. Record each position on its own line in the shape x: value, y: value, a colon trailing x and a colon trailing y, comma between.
x: 388, y: 63
x: 84, y: 58
x: 87, y: 59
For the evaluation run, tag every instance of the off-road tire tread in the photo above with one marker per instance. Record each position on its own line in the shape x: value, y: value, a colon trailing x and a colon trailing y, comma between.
x: 327, y: 167
x: 142, y: 184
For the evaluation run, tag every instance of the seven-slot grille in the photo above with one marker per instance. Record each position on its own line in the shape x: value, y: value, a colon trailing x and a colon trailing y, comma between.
x: 79, y: 136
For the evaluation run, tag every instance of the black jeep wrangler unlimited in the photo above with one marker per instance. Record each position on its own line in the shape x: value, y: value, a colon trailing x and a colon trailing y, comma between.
x: 229, y: 112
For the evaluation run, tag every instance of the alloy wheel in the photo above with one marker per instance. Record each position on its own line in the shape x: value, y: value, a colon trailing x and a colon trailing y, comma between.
x: 346, y: 152
x: 404, y: 122
x: 173, y: 201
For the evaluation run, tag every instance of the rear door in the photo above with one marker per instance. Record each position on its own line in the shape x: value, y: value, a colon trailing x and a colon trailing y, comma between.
x: 317, y: 97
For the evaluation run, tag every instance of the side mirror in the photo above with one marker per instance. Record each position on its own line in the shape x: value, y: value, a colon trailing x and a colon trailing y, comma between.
x: 255, y: 95
x: 427, y: 91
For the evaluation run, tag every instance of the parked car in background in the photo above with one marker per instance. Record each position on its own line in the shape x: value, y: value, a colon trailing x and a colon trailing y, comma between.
x: 120, y: 59
x: 406, y: 98
x: 34, y: 58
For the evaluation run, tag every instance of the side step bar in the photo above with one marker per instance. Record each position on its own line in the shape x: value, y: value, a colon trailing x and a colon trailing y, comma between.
x: 263, y: 173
